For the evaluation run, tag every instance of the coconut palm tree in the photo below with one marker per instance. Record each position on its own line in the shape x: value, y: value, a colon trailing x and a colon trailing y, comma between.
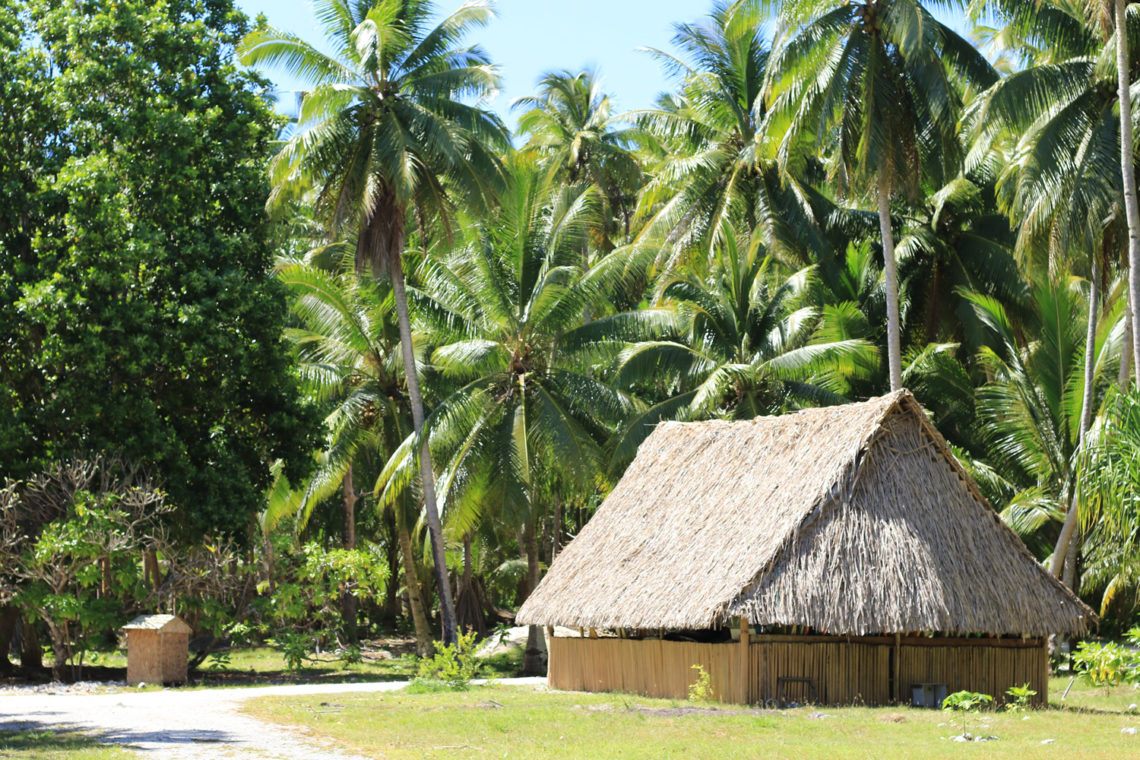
x: 876, y: 82
x: 957, y: 241
x: 1063, y: 178
x: 709, y: 177
x: 501, y: 309
x: 1128, y: 172
x: 1111, y: 501
x: 387, y: 132
x: 1061, y: 36
x: 1031, y: 408
x: 737, y: 341
x: 347, y: 347
x: 570, y: 123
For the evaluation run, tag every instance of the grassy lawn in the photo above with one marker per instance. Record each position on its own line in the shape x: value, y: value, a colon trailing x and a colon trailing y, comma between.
x: 501, y: 721
x: 48, y: 745
x: 262, y: 665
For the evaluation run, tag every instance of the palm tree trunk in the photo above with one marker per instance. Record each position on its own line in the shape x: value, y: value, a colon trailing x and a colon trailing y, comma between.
x: 1128, y: 173
x: 1125, y: 374
x: 891, y: 278
x: 348, y: 538
x: 556, y: 533
x: 1065, y: 541
x: 392, y: 556
x: 412, y: 584
x: 435, y: 529
x: 534, y: 658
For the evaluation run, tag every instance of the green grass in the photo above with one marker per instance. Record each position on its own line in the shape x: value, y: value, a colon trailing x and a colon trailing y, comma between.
x: 49, y: 745
x: 262, y: 665
x: 501, y: 721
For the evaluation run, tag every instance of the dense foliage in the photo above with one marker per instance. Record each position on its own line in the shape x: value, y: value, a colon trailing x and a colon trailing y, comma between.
x: 140, y: 317
x: 824, y: 207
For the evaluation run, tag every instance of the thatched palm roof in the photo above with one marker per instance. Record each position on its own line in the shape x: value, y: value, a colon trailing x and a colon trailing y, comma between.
x: 853, y: 519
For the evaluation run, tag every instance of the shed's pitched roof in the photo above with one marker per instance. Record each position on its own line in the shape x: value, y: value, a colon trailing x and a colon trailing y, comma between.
x: 162, y: 623
x: 852, y: 519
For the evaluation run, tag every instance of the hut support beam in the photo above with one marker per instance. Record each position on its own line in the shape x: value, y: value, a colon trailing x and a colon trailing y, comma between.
x: 896, y: 668
x: 745, y: 670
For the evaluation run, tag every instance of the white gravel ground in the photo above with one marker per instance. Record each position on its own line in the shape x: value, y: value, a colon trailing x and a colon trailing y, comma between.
x: 183, y: 724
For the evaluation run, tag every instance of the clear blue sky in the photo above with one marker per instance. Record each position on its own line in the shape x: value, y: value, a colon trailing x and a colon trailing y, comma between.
x: 530, y: 37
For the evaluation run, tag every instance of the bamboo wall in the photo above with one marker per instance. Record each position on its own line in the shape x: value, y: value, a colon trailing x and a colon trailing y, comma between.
x: 843, y: 671
x: 651, y: 667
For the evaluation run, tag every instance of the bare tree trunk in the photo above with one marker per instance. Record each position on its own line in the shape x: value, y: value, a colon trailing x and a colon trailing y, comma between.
x: 61, y: 650
x: 151, y: 569
x: 9, y: 619
x: 31, y: 653
x: 435, y: 528
x: 469, y: 598
x: 534, y: 658
x: 1128, y: 173
x: 1065, y: 541
x: 424, y: 645
x: 891, y: 280
x: 348, y: 537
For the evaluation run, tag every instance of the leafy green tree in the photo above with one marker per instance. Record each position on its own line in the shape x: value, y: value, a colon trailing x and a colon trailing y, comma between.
x: 387, y: 132
x: 875, y: 82
x: 70, y: 540
x: 738, y: 341
x: 1031, y: 407
x: 1064, y: 182
x: 347, y: 346
x: 504, y: 311
x: 27, y: 125
x: 143, y: 316
x: 572, y: 126
x: 709, y: 176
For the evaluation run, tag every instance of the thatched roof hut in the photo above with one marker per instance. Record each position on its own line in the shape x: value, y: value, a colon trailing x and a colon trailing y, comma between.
x: 853, y: 520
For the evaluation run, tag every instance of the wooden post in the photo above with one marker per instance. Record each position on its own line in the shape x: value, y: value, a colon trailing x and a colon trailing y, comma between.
x: 745, y: 670
x: 1043, y: 691
x: 898, y: 668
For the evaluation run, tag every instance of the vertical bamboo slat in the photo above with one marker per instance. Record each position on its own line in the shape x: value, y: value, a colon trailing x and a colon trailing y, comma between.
x: 842, y: 671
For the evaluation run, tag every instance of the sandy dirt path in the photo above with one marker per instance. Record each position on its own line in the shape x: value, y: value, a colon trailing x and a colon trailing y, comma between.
x: 186, y: 724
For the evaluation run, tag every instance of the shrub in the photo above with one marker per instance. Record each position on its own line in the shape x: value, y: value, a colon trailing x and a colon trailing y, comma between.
x: 1103, y: 664
x: 452, y: 666
x: 294, y: 648
x: 701, y: 689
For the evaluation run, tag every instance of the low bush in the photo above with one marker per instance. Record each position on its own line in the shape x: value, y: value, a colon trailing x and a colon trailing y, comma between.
x: 452, y: 666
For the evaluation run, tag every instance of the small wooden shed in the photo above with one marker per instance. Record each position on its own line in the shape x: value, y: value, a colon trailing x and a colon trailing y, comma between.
x: 157, y: 649
x: 835, y: 555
